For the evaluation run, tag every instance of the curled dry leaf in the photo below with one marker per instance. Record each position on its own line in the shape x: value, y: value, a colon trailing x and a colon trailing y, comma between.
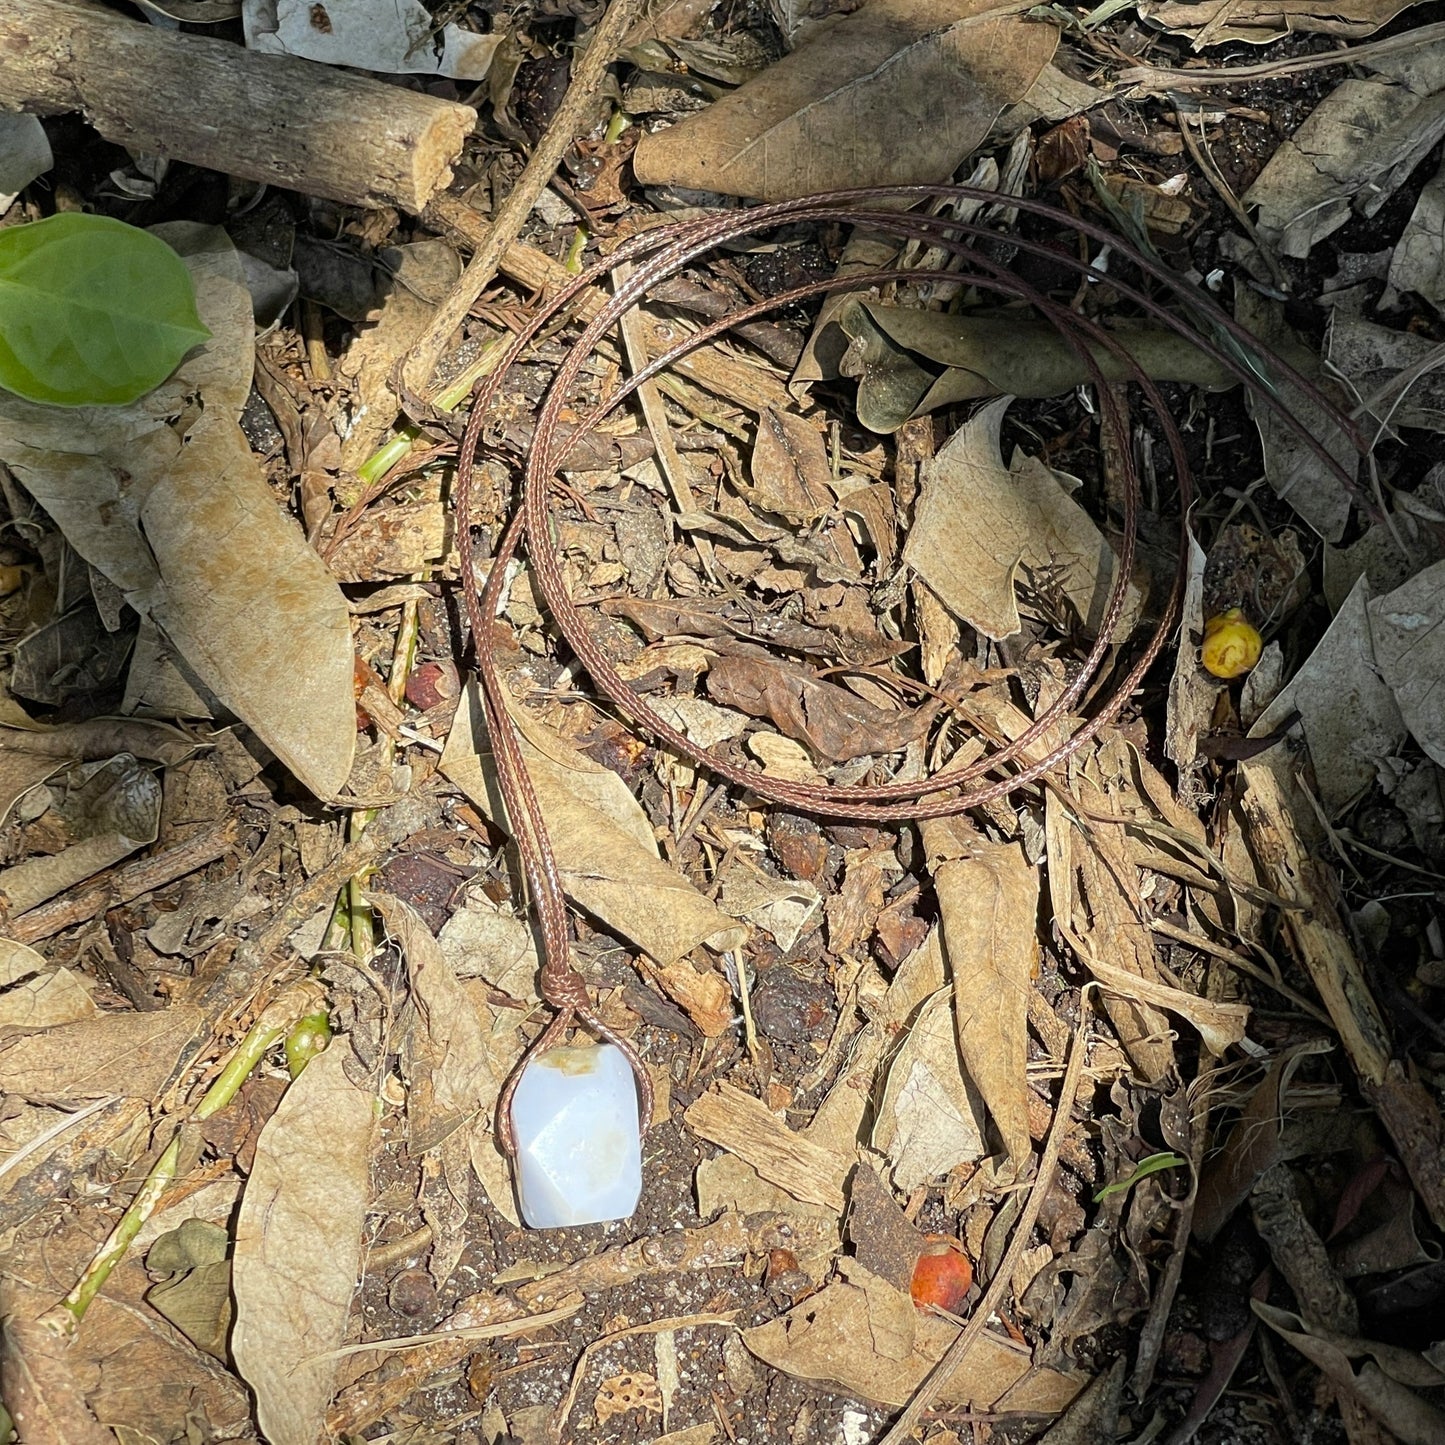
x: 298, y: 1246
x: 605, y: 847
x: 178, y: 515
x: 456, y: 1061
x: 899, y: 91
x: 1385, y: 1381
x: 1258, y: 22
x: 980, y: 525
x: 929, y: 1120
x: 835, y: 723
x: 989, y: 354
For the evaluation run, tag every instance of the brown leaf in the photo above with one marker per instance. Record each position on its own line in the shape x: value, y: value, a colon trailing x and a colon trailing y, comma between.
x: 179, y: 516
x: 43, y: 1388
x: 883, y: 1240
x: 928, y: 1121
x: 126, y: 1054
x: 988, y: 896
x: 605, y: 848
x: 1259, y: 22
x: 898, y: 92
x: 298, y: 1246
x: 835, y: 723
x: 835, y: 1337
x: 979, y: 525
x: 790, y: 470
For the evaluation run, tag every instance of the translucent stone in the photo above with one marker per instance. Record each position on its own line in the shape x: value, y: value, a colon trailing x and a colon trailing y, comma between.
x: 579, y: 1155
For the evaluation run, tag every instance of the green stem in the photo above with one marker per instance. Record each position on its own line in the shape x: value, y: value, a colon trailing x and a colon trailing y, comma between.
x: 67, y: 1315
x: 395, y: 448
x: 573, y: 260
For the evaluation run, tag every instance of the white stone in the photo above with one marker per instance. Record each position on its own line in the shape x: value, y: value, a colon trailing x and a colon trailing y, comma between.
x: 579, y: 1153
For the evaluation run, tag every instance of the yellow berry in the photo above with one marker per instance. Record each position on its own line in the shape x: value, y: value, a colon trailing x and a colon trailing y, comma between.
x: 1231, y: 645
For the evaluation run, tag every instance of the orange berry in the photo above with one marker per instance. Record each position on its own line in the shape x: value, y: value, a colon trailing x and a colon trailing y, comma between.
x: 942, y: 1279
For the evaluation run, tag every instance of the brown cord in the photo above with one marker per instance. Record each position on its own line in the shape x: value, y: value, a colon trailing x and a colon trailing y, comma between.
x: 663, y: 252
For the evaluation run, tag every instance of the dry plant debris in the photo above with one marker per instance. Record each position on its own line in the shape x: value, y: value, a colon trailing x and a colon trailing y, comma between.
x: 1040, y: 996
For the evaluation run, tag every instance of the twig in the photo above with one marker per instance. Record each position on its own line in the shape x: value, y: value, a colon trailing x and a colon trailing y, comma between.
x: 419, y: 363
x: 1155, y: 80
x: 125, y: 884
x: 939, y: 1378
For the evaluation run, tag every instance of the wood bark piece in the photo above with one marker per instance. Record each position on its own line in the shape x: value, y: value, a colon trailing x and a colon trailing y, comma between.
x: 271, y: 118
x: 1313, y: 927
x: 125, y: 884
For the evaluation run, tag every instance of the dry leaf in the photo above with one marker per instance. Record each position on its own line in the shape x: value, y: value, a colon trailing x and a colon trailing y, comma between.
x: 127, y: 1055
x: 1349, y: 714
x: 1406, y: 1415
x: 790, y: 470
x: 1418, y: 261
x: 991, y: 354
x: 605, y: 848
x: 1261, y: 22
x: 705, y: 995
x: 988, y: 899
x: 900, y: 91
x: 455, y: 1063
x: 1407, y: 628
x: 110, y: 809
x: 831, y: 1338
x: 394, y: 37
x: 780, y: 907
x: 978, y: 524
x: 298, y: 1246
x: 177, y: 514
x: 35, y: 996
x: 1352, y: 152
x: 833, y: 721
x: 44, y: 1389
x: 1291, y: 467
x: 927, y: 1123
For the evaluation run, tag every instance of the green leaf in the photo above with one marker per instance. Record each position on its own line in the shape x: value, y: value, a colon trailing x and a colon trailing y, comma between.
x: 92, y: 311
x: 1145, y: 1167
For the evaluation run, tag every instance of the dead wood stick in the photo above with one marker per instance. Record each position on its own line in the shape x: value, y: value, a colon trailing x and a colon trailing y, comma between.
x: 419, y: 363
x: 1144, y: 80
x: 941, y: 1375
x: 125, y: 884
x: 1318, y: 938
x: 272, y: 118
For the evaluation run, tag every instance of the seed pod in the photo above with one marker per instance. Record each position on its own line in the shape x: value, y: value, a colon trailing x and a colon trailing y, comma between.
x: 1231, y: 645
